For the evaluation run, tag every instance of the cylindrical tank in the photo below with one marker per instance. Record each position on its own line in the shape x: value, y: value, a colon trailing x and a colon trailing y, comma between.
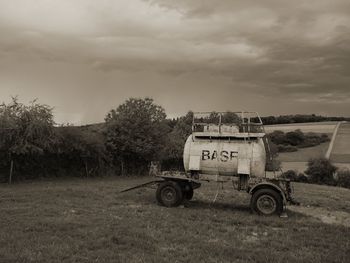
x: 225, y: 156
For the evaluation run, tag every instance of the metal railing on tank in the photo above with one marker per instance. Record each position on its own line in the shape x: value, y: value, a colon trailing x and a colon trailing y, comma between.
x: 227, y: 122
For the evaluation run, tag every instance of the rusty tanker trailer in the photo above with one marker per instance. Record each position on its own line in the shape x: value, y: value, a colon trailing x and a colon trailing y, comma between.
x: 228, y: 147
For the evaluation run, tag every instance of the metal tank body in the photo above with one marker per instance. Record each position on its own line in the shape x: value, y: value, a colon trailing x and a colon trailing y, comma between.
x: 225, y: 156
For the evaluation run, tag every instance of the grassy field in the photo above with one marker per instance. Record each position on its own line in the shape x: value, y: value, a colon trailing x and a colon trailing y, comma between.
x: 317, y: 127
x: 341, y: 148
x: 304, y: 154
x: 87, y: 220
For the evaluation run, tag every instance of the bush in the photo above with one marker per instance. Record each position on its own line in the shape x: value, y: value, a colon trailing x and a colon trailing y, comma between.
x: 343, y: 178
x: 290, y: 174
x: 302, y: 178
x: 81, y: 151
x: 321, y: 171
x: 291, y: 141
x: 277, y: 137
x: 313, y: 139
x: 286, y: 148
x: 295, y: 138
x: 273, y: 165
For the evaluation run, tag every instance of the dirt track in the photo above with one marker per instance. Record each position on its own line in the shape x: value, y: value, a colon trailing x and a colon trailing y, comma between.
x: 340, y: 152
x: 326, y: 216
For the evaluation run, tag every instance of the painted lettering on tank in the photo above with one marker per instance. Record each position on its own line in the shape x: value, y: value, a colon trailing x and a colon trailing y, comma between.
x: 223, y: 156
x: 214, y: 155
x: 205, y: 155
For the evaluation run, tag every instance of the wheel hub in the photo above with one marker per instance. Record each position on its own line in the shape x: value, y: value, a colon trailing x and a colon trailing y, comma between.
x: 266, y: 204
x: 168, y: 194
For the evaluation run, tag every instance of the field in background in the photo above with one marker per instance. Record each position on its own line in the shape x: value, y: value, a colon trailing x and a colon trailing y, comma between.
x: 341, y: 148
x: 304, y: 154
x: 88, y: 220
x: 317, y: 127
x: 298, y: 160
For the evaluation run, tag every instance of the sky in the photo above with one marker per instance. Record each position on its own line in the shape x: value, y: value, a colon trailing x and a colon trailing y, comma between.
x: 86, y: 57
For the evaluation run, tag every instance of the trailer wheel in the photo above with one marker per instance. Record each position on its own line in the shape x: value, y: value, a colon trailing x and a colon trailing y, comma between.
x: 188, y: 193
x: 169, y: 194
x: 266, y: 202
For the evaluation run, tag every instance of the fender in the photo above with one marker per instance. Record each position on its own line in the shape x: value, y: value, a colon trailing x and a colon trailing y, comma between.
x: 269, y: 185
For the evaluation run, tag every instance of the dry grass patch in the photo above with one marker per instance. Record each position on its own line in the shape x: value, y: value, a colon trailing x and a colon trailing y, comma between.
x: 88, y: 220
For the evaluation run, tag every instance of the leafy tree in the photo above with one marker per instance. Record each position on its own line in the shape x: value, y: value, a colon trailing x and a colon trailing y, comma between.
x: 230, y: 117
x: 135, y: 133
x: 81, y: 150
x: 26, y: 131
x: 173, y: 149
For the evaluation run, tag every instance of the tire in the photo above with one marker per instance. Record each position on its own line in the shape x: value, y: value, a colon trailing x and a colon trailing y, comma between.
x: 266, y: 202
x: 188, y: 193
x: 169, y: 194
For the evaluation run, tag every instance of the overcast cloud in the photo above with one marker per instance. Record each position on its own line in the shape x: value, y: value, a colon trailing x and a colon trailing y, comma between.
x: 85, y: 57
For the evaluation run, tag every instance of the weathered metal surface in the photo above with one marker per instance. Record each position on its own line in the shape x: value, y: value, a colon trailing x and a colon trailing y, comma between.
x: 227, y: 157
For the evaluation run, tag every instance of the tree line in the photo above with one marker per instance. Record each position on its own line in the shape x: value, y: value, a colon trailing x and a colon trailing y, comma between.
x: 133, y: 135
x: 299, y: 118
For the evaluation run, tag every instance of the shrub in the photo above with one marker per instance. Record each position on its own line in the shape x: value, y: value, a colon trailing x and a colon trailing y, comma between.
x: 321, y: 170
x: 290, y: 174
x: 277, y: 137
x: 274, y: 165
x: 313, y: 139
x: 295, y: 138
x: 81, y: 151
x: 302, y: 178
x: 343, y: 178
x: 291, y: 141
x: 287, y: 148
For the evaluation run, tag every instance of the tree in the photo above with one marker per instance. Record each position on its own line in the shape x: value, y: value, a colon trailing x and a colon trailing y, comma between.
x: 26, y: 131
x: 135, y: 133
x: 230, y: 118
x: 81, y: 150
x: 173, y: 149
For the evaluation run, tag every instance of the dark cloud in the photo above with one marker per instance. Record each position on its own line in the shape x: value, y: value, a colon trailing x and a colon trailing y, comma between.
x: 231, y: 54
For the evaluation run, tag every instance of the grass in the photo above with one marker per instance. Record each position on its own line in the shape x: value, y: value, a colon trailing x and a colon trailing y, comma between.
x: 304, y: 154
x: 341, y: 152
x: 87, y: 220
x: 317, y: 127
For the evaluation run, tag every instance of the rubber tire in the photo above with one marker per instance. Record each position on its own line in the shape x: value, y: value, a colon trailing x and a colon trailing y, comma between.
x: 188, y: 195
x: 170, y: 186
x: 272, y: 193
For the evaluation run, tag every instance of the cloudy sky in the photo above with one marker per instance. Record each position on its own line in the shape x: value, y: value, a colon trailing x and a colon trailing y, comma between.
x: 85, y: 57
